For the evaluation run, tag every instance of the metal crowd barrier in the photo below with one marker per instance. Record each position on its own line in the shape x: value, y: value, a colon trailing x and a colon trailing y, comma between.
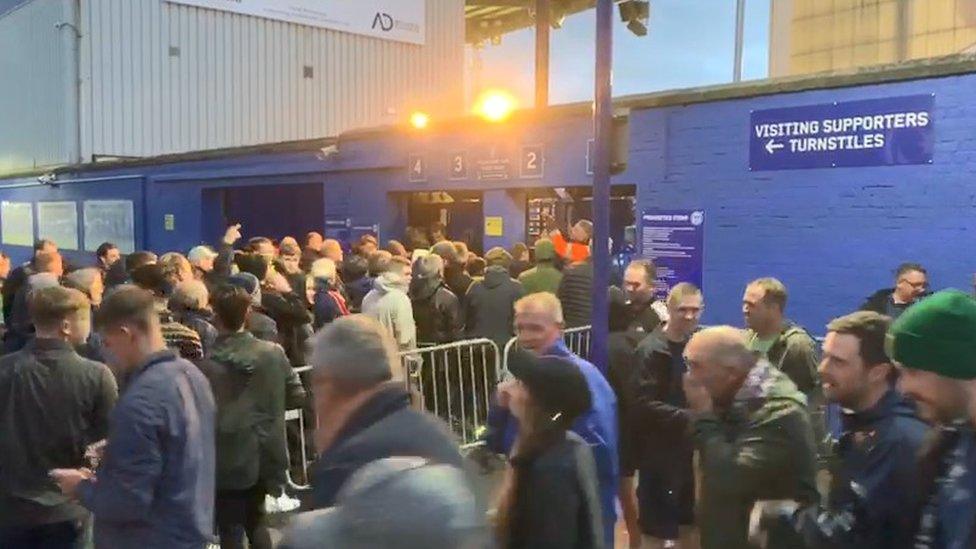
x: 455, y: 382
x: 297, y: 416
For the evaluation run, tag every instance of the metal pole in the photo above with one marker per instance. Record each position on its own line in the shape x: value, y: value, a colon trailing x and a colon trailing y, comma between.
x: 602, y: 130
x: 542, y: 18
x: 740, y: 24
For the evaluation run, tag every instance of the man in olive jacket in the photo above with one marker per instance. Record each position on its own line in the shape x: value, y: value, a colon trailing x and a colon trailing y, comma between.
x: 249, y: 379
x: 753, y: 435
x: 544, y: 277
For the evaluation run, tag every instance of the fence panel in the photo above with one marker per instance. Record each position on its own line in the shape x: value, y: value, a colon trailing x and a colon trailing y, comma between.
x: 455, y: 381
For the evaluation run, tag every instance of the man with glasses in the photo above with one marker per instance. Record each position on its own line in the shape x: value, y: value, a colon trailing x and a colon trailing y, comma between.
x: 911, y: 285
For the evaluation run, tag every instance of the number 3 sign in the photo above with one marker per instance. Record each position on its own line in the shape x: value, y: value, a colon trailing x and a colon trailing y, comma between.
x: 531, y: 162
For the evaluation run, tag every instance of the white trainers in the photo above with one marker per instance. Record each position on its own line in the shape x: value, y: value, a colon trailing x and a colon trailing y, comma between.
x: 286, y: 504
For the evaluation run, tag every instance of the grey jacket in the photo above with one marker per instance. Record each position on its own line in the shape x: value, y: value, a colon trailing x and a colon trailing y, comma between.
x: 388, y: 303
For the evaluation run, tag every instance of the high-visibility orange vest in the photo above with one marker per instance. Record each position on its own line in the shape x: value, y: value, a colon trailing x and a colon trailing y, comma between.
x: 573, y: 252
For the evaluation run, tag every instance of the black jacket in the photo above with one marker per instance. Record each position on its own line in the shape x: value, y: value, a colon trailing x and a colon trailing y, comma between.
x: 489, y: 306
x: 384, y: 426
x: 356, y: 290
x: 221, y: 271
x: 881, y: 302
x: 622, y: 347
x: 664, y: 442
x: 15, y: 280
x: 458, y: 281
x: 557, y: 505
x: 878, y: 453
x: 55, y: 403
x: 436, y: 311
x: 575, y: 294
x: 249, y: 378
x: 261, y: 325
x: 200, y: 322
x: 291, y: 316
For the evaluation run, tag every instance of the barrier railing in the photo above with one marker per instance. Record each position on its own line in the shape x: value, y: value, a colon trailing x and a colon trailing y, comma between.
x: 297, y: 417
x: 455, y: 381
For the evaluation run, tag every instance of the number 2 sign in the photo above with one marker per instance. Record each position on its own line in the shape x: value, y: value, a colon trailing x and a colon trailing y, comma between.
x: 531, y: 162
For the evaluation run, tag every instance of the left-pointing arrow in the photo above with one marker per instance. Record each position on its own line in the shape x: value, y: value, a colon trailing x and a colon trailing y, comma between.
x: 772, y: 146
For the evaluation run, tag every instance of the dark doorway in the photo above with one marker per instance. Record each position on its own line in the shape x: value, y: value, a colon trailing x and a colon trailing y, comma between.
x: 273, y: 211
x: 460, y: 211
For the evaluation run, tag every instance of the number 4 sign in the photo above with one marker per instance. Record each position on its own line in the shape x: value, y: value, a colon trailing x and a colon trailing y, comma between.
x: 531, y: 162
x: 416, y: 168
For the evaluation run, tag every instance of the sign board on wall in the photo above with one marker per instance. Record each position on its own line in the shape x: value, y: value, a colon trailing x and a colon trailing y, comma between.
x: 494, y: 226
x: 109, y: 221
x: 675, y: 240
x: 872, y: 132
x: 398, y: 20
x: 58, y: 221
x: 17, y: 223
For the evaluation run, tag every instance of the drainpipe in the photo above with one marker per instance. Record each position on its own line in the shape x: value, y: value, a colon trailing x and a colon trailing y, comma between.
x: 70, y: 48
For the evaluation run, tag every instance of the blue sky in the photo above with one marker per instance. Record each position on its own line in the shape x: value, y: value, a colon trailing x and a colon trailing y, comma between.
x: 689, y: 43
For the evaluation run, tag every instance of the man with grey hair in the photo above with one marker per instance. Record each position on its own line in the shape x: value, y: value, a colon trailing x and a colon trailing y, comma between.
x: 753, y: 434
x: 539, y: 327
x: 363, y: 413
x: 436, y: 310
x: 190, y: 305
x: 87, y: 281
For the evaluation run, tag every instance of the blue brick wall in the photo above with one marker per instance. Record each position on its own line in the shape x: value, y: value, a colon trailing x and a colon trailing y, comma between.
x: 833, y: 236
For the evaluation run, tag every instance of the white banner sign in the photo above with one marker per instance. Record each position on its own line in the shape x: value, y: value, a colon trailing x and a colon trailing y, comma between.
x: 400, y: 20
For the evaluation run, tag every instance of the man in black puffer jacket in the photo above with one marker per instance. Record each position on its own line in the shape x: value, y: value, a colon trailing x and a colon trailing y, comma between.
x: 489, y: 306
x: 436, y: 310
x: 576, y: 293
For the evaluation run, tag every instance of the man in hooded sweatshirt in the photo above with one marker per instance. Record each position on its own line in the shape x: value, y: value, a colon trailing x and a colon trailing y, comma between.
x: 249, y: 378
x: 544, y: 277
x: 388, y: 302
x: 489, y: 306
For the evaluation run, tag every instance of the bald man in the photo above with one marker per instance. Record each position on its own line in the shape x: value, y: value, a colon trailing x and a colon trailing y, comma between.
x: 753, y: 434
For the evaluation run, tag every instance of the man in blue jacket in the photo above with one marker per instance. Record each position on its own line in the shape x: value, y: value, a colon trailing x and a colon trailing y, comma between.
x: 155, y: 486
x: 539, y: 325
x: 874, y: 491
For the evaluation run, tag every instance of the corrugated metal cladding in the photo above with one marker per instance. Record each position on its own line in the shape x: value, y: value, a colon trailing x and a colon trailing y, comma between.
x: 161, y: 78
x: 32, y: 87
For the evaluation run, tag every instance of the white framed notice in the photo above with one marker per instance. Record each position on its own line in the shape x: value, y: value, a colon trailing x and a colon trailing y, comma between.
x: 58, y: 221
x: 17, y: 223
x: 109, y: 221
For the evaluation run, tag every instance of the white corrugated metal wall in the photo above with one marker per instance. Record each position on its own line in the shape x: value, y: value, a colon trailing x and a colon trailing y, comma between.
x: 32, y: 87
x: 160, y: 78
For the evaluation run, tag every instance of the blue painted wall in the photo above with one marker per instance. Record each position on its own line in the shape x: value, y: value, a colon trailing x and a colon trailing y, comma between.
x: 124, y: 189
x: 833, y: 236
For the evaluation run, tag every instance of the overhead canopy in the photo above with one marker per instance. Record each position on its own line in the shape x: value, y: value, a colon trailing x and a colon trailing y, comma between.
x: 485, y: 19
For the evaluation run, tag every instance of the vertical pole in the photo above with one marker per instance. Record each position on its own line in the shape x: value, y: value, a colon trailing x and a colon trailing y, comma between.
x: 740, y: 25
x: 542, y: 18
x: 602, y: 130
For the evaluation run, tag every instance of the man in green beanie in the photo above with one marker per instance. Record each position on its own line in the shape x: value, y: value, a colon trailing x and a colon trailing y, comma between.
x: 544, y: 277
x: 934, y: 346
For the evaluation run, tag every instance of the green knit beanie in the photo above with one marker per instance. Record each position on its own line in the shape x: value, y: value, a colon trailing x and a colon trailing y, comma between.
x: 937, y: 334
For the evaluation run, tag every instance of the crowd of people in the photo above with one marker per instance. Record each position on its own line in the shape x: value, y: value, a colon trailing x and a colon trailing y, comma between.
x: 143, y: 397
